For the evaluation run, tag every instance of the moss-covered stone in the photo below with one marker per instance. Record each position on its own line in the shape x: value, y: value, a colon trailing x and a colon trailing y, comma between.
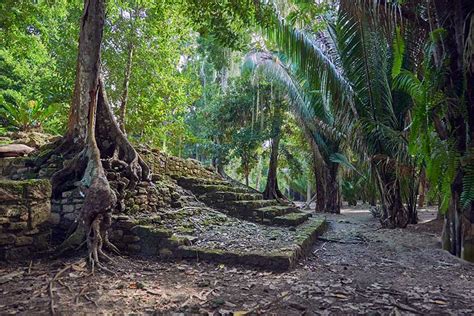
x: 207, y: 188
x: 291, y: 219
x: 278, y: 261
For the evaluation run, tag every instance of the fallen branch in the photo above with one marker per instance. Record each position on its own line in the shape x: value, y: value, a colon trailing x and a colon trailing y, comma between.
x: 51, y: 286
x: 30, y: 266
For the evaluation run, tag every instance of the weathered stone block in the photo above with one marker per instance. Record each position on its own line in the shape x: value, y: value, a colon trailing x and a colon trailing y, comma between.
x: 32, y: 232
x: 54, y: 218
x: 68, y: 208
x: 130, y: 238
x: 13, y: 210
x: 23, y: 241
x: 39, y: 213
x: 7, y: 239
x: 11, y: 190
x: 66, y: 194
x: 70, y: 216
x: 18, y: 226
x: 38, y: 189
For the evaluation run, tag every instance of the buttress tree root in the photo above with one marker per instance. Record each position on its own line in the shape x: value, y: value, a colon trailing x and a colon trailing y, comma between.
x: 94, y: 144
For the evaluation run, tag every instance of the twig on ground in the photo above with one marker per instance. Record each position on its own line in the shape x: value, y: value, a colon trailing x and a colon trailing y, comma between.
x: 51, y: 286
x: 91, y: 300
x: 65, y: 285
x: 319, y: 249
x: 30, y: 266
x: 78, y: 296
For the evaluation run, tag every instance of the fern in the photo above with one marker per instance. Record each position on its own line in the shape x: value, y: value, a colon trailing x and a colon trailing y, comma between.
x: 467, y: 196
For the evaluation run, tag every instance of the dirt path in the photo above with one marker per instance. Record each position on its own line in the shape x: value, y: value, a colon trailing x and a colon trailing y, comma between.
x: 355, y: 268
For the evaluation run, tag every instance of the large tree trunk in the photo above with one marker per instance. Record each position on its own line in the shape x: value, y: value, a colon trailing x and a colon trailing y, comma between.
x: 328, y: 198
x: 458, y: 20
x: 93, y: 136
x: 126, y: 83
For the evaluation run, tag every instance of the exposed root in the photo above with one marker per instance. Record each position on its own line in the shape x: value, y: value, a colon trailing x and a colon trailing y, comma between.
x: 51, y: 287
x: 94, y: 244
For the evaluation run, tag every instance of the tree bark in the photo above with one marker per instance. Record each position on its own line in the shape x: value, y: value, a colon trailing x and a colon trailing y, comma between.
x: 325, y: 174
x: 394, y: 213
x: 333, y: 195
x: 93, y: 136
x: 457, y: 20
x: 272, y: 191
x: 126, y: 83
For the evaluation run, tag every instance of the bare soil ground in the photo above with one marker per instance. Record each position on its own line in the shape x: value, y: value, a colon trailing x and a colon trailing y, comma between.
x: 355, y: 268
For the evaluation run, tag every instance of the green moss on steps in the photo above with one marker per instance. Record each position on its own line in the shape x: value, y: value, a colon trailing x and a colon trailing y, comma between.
x: 206, y: 188
x: 291, y: 219
x: 280, y: 259
x: 222, y: 196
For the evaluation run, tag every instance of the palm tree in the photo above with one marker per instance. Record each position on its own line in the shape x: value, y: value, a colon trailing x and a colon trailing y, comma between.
x: 314, y: 118
x: 351, y: 65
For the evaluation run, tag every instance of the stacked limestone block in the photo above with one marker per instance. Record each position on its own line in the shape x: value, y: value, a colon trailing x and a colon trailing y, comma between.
x: 25, y: 211
x: 164, y: 164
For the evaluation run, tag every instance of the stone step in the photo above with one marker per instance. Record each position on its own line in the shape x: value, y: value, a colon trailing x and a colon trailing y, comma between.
x: 250, y: 205
x: 206, y: 188
x: 223, y: 196
x: 190, y: 182
x: 279, y: 260
x: 291, y: 219
x: 270, y: 212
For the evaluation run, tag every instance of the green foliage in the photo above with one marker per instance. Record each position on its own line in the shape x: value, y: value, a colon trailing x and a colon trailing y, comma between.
x: 37, y: 60
x: 398, y: 52
x: 21, y: 114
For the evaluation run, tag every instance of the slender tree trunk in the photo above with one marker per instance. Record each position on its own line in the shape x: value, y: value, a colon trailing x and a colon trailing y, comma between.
x: 333, y: 195
x: 394, y: 213
x: 126, y: 83
x: 246, y: 176
x: 422, y: 189
x: 271, y: 188
x: 308, y: 191
x: 259, y: 173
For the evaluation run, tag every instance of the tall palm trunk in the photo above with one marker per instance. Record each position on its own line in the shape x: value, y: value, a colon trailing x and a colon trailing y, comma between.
x: 333, y: 195
x: 394, y: 213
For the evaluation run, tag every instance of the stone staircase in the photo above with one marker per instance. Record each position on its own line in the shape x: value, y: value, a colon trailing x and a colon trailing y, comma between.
x: 243, y: 202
